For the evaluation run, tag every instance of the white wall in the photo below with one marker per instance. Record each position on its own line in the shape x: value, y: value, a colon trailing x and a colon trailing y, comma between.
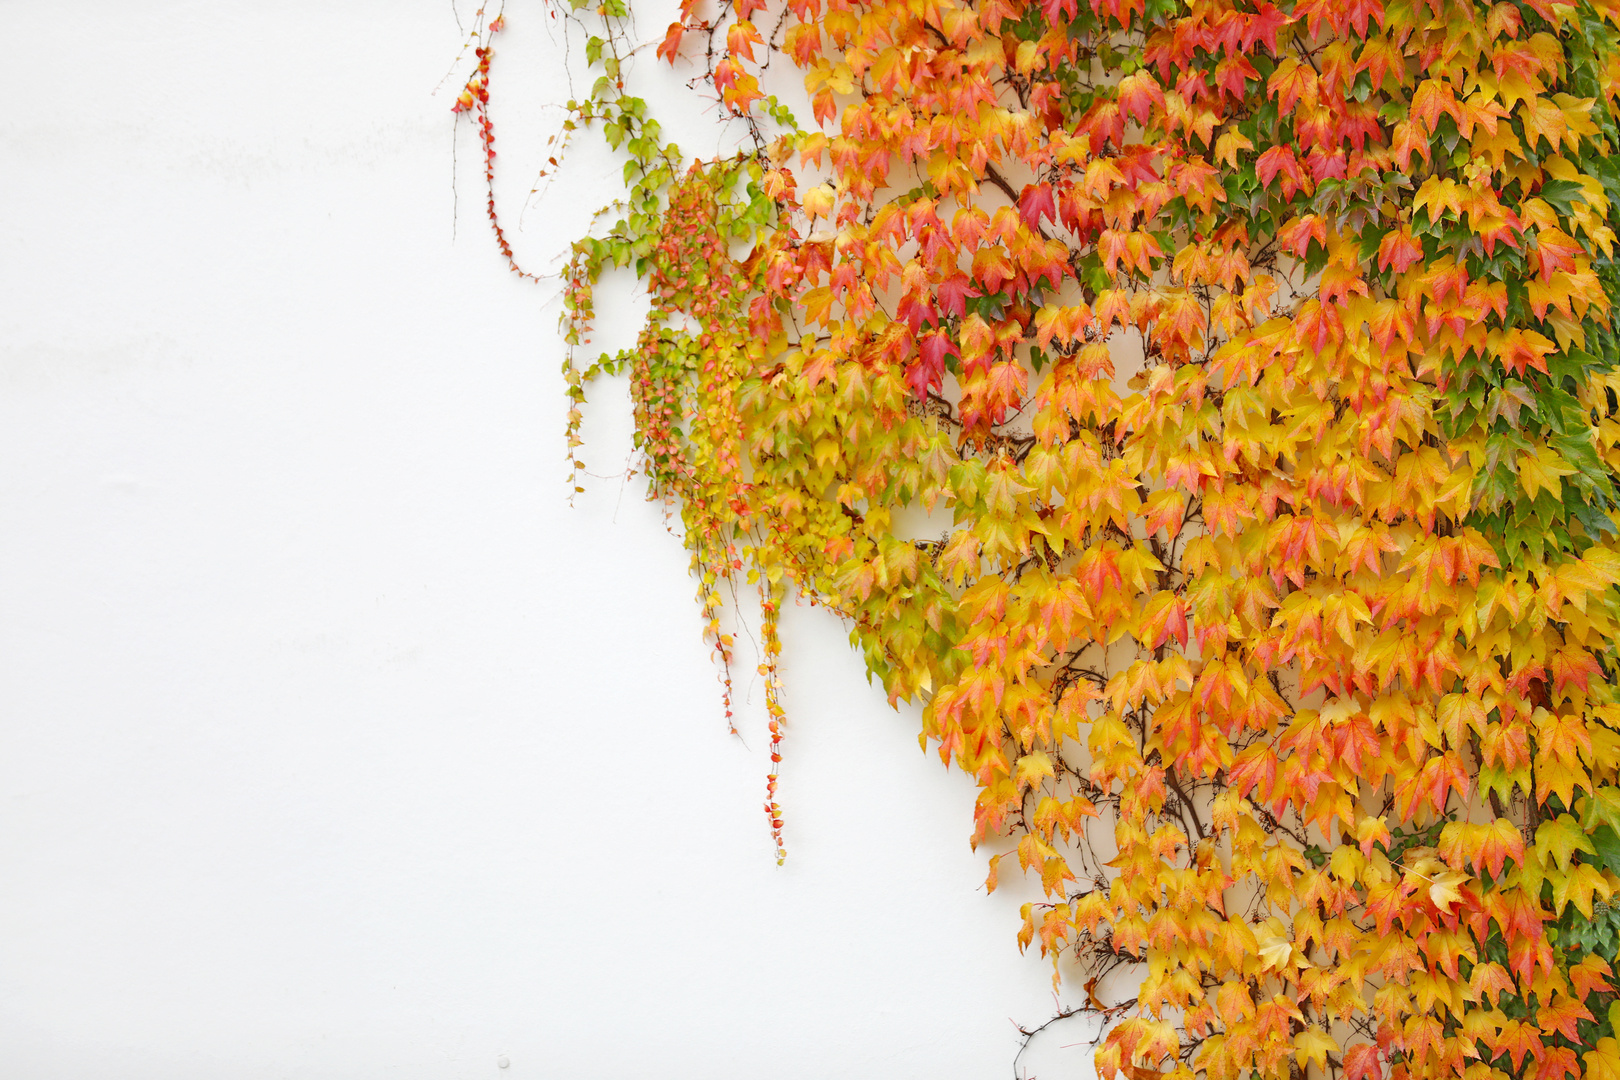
x: 332, y: 742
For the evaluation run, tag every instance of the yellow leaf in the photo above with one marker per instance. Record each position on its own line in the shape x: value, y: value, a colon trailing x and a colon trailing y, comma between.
x: 1578, y: 887
x: 1028, y: 51
x: 1603, y: 1061
x: 1542, y: 469
x: 1313, y: 1044
x: 1228, y: 145
x: 1559, y: 839
x: 1276, y: 944
x: 1443, y: 889
x: 1032, y: 768
x: 818, y: 201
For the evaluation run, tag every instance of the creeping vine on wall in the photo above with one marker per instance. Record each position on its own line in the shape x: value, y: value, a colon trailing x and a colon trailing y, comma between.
x: 1260, y: 355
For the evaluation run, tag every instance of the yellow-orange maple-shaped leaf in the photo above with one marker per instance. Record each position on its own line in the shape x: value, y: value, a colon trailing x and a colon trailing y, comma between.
x: 741, y: 39
x: 1603, y: 1061
x: 1361, y: 1062
x: 1431, y: 100
x: 1578, y: 887
x: 1561, y: 1016
x: 1591, y: 974
x: 1398, y: 250
x: 1033, y: 768
x: 1138, y: 93
x: 1518, y: 1040
x: 1540, y: 470
x: 1181, y: 321
x: 1313, y: 1045
x: 1488, y: 847
x: 818, y: 202
x: 1370, y: 831
x: 1560, y: 839
x: 1276, y: 945
x: 1163, y: 618
x: 1444, y: 889
x: 1291, y: 84
x: 1543, y: 119
x: 1491, y: 978
x: 1229, y: 144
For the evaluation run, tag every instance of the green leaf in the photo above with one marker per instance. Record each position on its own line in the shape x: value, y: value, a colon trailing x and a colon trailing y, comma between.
x: 1561, y: 195
x: 1607, y: 843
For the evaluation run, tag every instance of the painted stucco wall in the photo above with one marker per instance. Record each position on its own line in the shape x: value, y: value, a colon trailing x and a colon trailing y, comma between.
x: 333, y: 743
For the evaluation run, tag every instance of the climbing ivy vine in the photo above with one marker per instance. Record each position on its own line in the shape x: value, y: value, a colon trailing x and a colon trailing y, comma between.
x: 1210, y: 411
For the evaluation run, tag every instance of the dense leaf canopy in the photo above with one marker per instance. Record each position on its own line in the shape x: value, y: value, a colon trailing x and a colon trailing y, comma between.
x: 1210, y: 410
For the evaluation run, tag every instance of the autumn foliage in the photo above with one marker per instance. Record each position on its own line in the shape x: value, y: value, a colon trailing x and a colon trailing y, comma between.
x: 1210, y: 410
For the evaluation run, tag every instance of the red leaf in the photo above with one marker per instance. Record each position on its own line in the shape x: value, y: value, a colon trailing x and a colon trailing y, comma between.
x: 672, y: 42
x: 1277, y: 159
x: 1263, y: 27
x: 929, y: 371
x: 953, y: 293
x: 1037, y: 203
x: 1138, y: 94
x: 1361, y: 1061
x: 1399, y: 249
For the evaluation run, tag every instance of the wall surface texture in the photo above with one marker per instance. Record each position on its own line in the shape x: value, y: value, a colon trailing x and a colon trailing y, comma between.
x: 333, y: 743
